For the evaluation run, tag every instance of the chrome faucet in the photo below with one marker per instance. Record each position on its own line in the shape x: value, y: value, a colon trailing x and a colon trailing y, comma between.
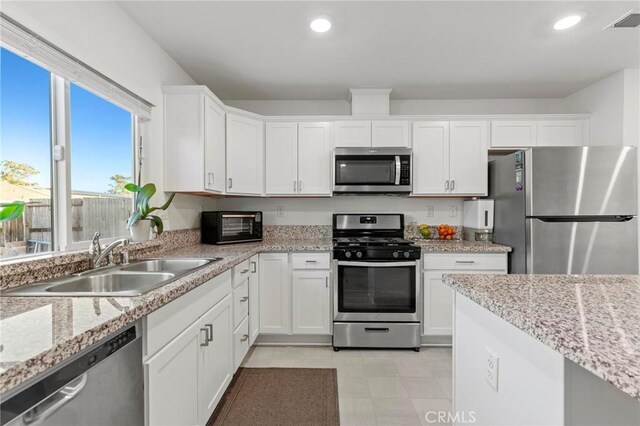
x: 98, y: 254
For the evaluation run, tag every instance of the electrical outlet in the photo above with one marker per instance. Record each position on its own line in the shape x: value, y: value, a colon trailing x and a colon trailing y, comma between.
x: 280, y: 211
x: 453, y: 211
x: 430, y: 211
x: 491, y: 369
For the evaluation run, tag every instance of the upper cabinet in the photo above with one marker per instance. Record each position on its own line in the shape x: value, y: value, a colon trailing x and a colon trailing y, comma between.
x: 298, y: 158
x: 194, y: 142
x: 450, y: 158
x: 377, y: 133
x: 531, y: 133
x: 245, y: 155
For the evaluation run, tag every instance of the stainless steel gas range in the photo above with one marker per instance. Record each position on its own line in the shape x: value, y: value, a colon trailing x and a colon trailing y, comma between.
x: 377, y: 301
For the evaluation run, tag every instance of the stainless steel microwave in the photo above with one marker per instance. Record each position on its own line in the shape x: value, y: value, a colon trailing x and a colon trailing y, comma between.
x: 372, y: 170
x: 224, y: 227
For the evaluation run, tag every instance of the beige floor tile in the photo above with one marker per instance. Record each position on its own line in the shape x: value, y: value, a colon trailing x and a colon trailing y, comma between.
x: 349, y: 367
x: 441, y: 368
x: 423, y: 387
x: 347, y: 353
x: 386, y: 387
x: 413, y: 368
x: 395, y: 411
x: 432, y: 408
x: 447, y: 385
x: 353, y: 387
x: 379, y: 368
x: 357, y: 412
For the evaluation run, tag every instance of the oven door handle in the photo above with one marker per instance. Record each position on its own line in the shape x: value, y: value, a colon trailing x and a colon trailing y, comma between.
x: 377, y: 264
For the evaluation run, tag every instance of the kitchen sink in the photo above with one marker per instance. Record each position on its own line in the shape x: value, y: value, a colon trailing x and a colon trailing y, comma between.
x: 133, y: 279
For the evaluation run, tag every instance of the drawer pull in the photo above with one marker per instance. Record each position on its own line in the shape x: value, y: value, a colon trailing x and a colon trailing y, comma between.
x: 466, y: 262
x: 253, y: 267
x: 311, y: 261
x: 376, y: 330
x: 244, y: 271
x: 244, y: 338
x: 206, y: 337
x: 244, y: 299
x: 209, y: 328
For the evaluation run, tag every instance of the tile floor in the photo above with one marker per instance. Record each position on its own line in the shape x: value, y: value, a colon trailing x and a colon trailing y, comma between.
x: 375, y: 387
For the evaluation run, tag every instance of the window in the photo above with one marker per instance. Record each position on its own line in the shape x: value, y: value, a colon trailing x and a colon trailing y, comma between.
x: 98, y: 161
x: 25, y: 155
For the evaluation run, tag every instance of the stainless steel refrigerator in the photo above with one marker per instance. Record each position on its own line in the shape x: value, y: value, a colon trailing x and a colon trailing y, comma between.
x: 567, y: 210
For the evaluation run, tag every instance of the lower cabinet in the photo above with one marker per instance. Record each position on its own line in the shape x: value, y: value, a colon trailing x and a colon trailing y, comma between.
x: 311, y: 297
x: 275, y: 297
x: 240, y: 343
x: 254, y: 300
x: 438, y: 298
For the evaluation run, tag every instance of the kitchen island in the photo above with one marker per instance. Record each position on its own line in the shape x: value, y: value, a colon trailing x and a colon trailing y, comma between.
x: 547, y: 349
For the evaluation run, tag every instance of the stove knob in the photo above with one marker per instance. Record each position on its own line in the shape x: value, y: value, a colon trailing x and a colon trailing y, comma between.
x: 406, y: 254
x: 396, y: 254
x: 347, y: 254
x: 359, y: 254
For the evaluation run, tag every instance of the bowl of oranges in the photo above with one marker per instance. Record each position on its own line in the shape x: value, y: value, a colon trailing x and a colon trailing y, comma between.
x: 446, y: 232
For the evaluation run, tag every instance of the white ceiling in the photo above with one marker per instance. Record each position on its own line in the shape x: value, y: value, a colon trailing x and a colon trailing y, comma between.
x: 422, y: 50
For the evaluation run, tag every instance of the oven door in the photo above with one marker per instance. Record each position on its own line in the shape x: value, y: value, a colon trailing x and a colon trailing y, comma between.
x: 377, y: 291
x: 237, y: 227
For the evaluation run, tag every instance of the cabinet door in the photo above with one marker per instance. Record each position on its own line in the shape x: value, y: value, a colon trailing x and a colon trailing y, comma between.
x: 215, y: 366
x: 438, y: 304
x: 172, y: 381
x: 245, y: 149
x: 430, y: 157
x: 240, y: 343
x: 560, y: 133
x: 254, y: 300
x: 281, y: 145
x: 275, y: 294
x: 314, y: 158
x: 311, y: 295
x: 241, y: 302
x: 468, y: 157
x: 214, y: 146
x: 385, y: 133
x: 513, y: 133
x: 352, y: 134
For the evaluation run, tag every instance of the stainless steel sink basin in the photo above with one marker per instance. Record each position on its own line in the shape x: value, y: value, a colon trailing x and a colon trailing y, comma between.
x: 114, y: 284
x: 165, y: 265
x: 133, y: 279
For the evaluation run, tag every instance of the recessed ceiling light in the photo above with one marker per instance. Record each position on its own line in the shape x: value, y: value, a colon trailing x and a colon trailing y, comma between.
x: 320, y: 25
x: 567, y: 22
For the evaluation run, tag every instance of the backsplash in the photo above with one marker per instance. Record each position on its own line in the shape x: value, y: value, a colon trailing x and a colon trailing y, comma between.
x: 411, y: 232
x: 296, y: 232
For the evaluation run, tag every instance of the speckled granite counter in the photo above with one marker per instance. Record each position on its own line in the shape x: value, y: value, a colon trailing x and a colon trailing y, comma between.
x: 592, y: 320
x: 460, y: 246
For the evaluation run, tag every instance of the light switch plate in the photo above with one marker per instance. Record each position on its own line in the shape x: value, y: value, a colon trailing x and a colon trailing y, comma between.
x: 430, y: 211
x: 280, y: 211
x: 453, y: 211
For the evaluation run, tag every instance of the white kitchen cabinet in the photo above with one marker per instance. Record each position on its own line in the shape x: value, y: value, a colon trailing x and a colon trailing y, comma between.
x: 215, y: 366
x: 468, y: 157
x: 438, y: 298
x: 240, y: 343
x: 281, y: 145
x: 275, y: 293
x: 311, y: 301
x: 172, y: 375
x: 352, y: 134
x: 560, y: 133
x: 254, y: 299
x: 513, y: 133
x: 450, y: 158
x: 245, y: 155
x: 298, y: 158
x: 194, y: 140
x: 390, y: 133
x: 314, y: 158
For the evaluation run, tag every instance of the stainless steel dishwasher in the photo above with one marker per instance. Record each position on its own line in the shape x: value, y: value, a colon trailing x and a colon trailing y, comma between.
x: 103, y: 385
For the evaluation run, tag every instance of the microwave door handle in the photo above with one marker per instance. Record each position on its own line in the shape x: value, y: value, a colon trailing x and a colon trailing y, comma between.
x: 397, y: 182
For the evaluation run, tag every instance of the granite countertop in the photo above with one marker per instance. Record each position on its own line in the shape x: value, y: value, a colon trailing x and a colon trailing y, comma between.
x: 40, y: 332
x: 592, y: 320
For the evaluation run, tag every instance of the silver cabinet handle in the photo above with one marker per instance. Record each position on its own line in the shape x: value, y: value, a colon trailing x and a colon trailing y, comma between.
x: 244, y: 299
x: 244, y: 338
x: 446, y: 185
x: 311, y: 261
x: 213, y: 178
x: 453, y: 184
x: 326, y: 282
x: 209, y: 328
x: 206, y: 337
x: 244, y: 271
x: 466, y: 262
x: 294, y: 186
x: 299, y: 186
x: 254, y: 267
x: 230, y: 183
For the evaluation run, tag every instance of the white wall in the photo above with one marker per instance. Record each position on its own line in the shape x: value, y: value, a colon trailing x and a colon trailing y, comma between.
x: 318, y: 211
x: 631, y: 117
x: 103, y: 36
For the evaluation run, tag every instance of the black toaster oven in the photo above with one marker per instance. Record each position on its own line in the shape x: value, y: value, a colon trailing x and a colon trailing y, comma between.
x: 224, y: 227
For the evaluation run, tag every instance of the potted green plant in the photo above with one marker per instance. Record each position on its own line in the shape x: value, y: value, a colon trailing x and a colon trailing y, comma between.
x: 141, y: 220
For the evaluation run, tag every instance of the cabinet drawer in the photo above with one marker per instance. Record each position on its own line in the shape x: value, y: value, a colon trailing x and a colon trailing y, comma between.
x: 465, y: 261
x: 240, y: 343
x: 241, y: 302
x: 240, y: 273
x: 163, y: 325
x: 310, y: 261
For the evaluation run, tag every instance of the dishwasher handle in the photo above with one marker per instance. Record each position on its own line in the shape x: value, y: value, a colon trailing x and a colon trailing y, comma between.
x: 53, y: 403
